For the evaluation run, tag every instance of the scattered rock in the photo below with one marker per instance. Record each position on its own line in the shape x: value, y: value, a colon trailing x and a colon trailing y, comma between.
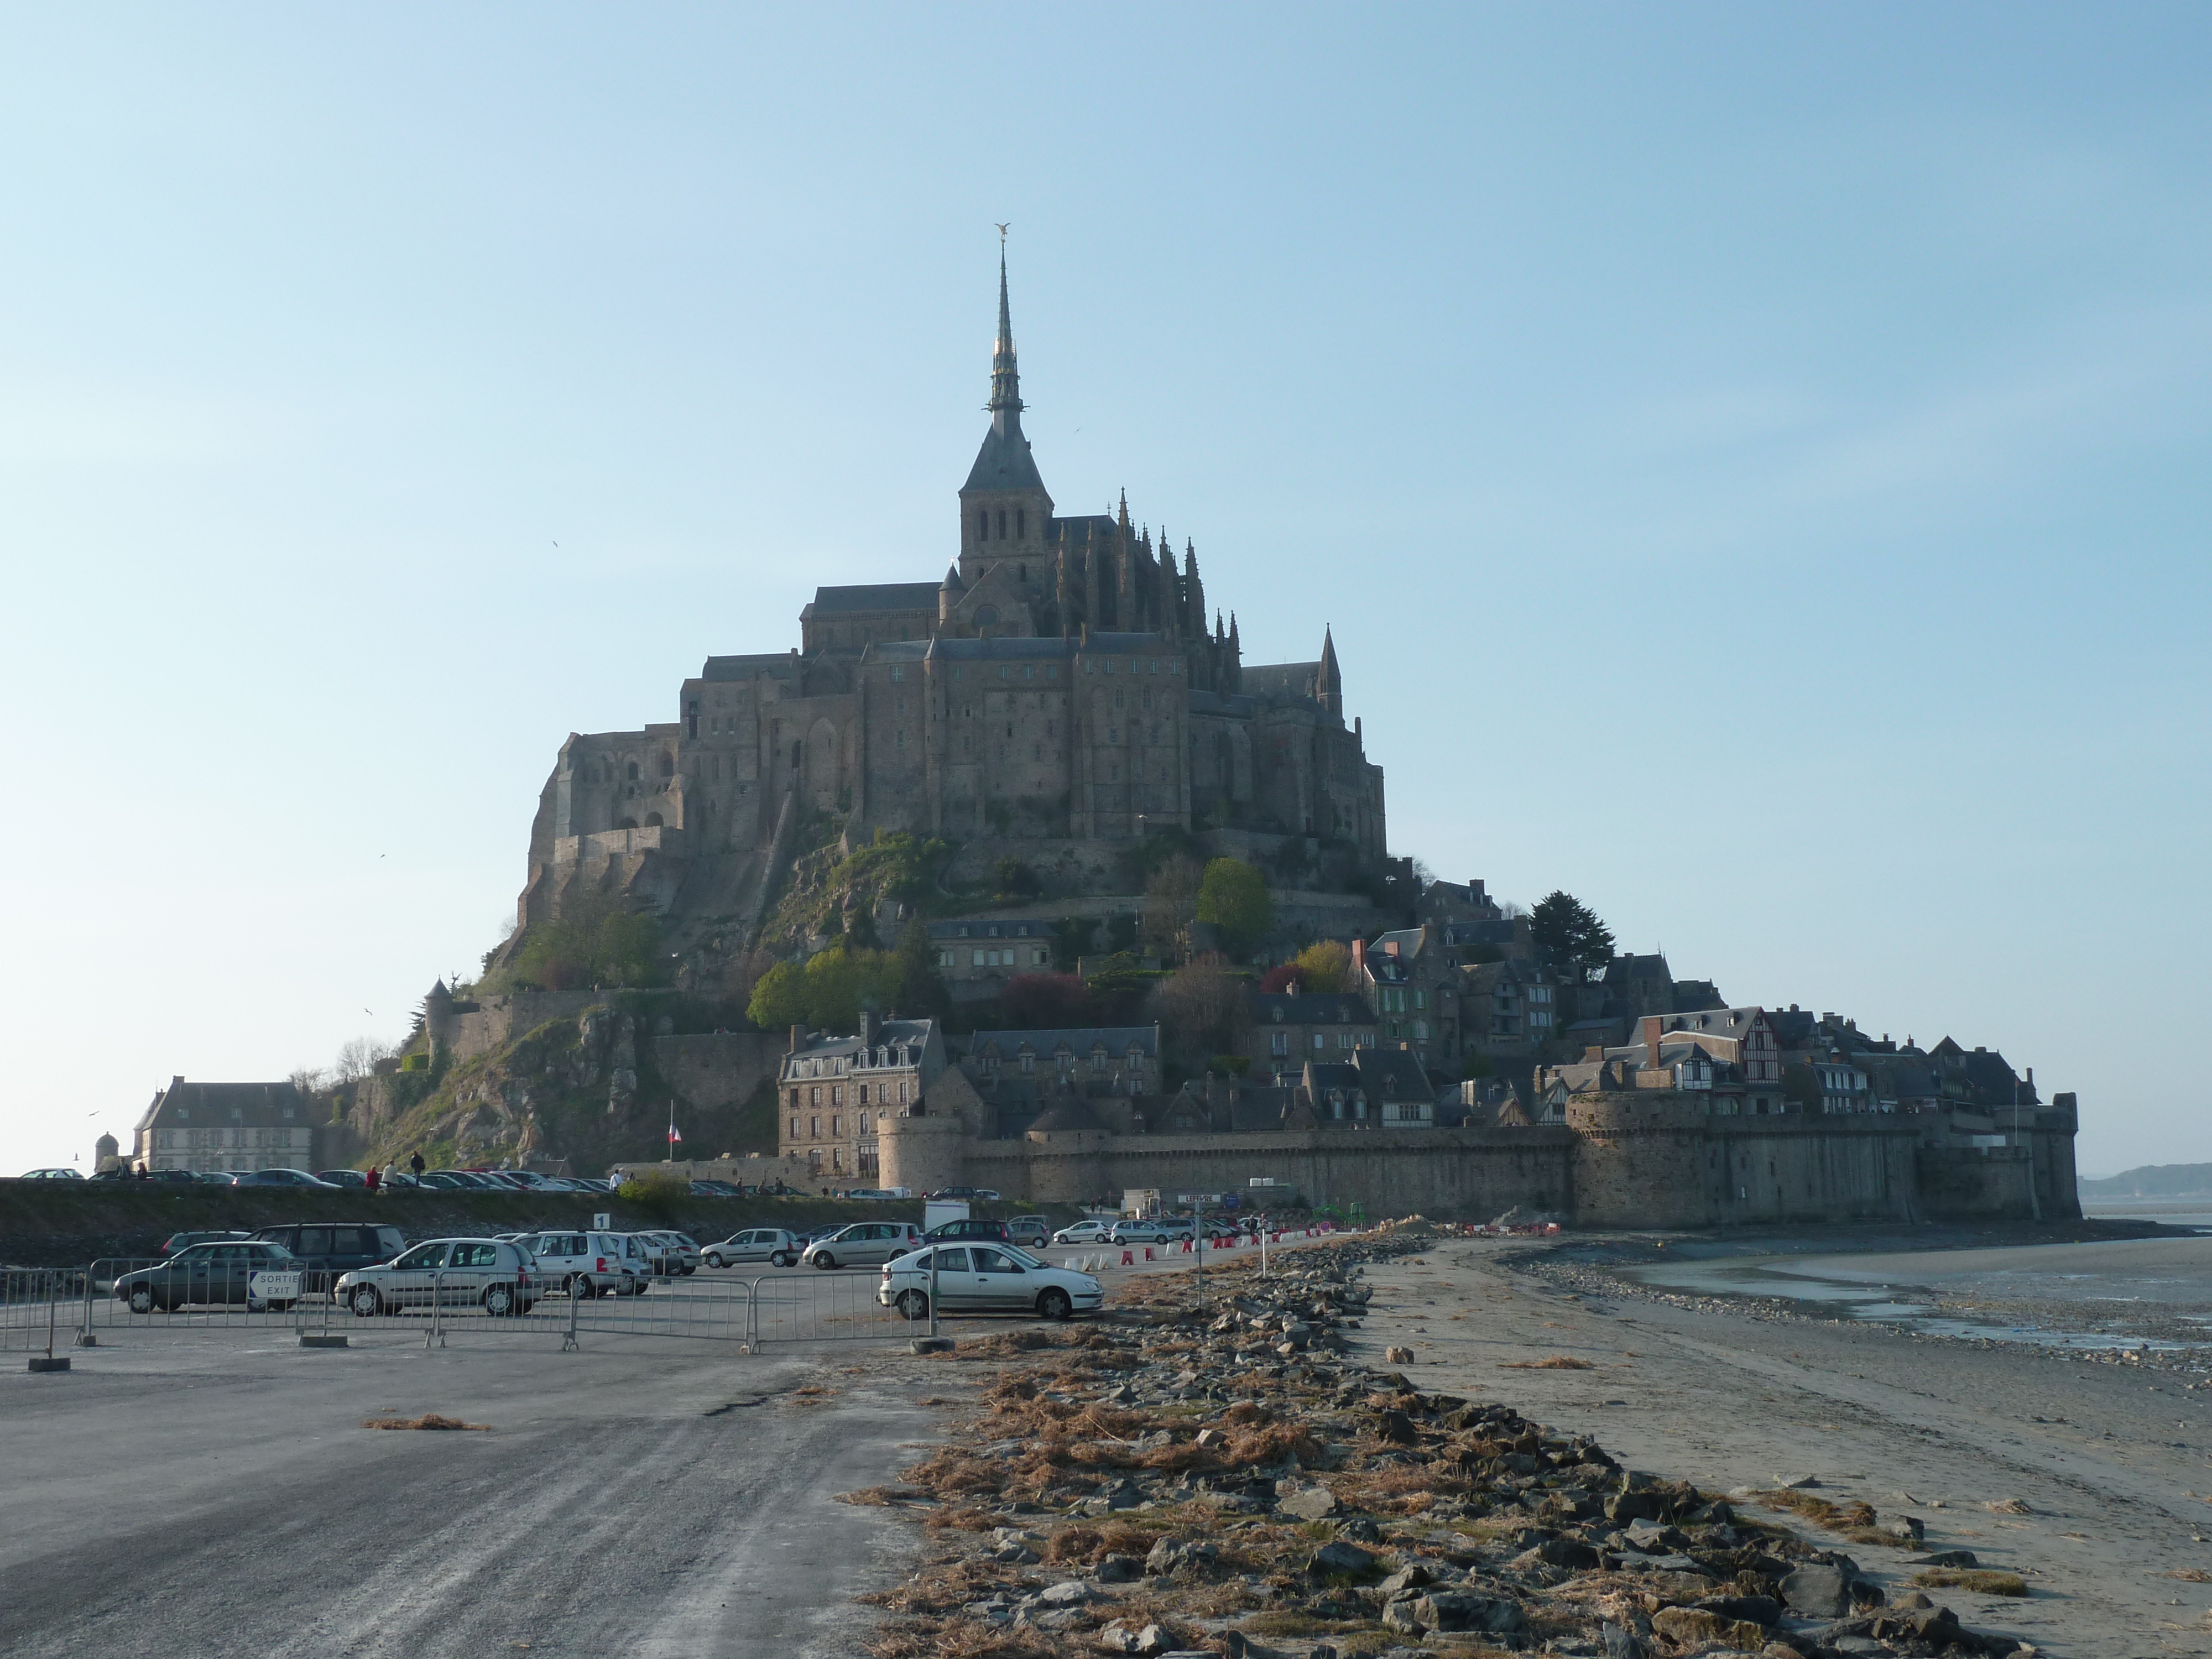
x: 1818, y: 1591
x: 1308, y: 1502
x: 1489, y: 1615
x: 1398, y: 1356
x: 1120, y: 1570
x: 1339, y: 1560
x: 1687, y: 1627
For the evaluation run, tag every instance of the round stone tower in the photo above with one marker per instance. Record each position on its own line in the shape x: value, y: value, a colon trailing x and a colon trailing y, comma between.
x: 920, y: 1154
x: 1067, y: 1145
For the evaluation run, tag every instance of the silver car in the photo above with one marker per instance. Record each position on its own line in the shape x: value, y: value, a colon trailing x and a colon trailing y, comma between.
x: 491, y: 1273
x: 863, y: 1244
x: 770, y: 1245
x: 973, y: 1277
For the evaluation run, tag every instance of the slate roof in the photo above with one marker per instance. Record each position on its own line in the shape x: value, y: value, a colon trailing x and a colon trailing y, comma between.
x: 257, y: 1105
x: 1068, y: 1114
x: 775, y: 666
x: 1393, y: 1074
x: 875, y: 596
x: 1080, y: 1041
x: 888, y: 1035
x: 1004, y: 462
x: 1310, y: 1008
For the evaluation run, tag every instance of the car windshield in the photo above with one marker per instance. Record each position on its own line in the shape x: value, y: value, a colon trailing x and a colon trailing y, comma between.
x: 1020, y: 1256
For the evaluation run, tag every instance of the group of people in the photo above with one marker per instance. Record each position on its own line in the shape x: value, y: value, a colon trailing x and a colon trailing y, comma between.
x: 378, y: 1179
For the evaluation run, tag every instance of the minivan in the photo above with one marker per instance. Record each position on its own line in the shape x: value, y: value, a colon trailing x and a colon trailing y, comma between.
x: 327, y: 1251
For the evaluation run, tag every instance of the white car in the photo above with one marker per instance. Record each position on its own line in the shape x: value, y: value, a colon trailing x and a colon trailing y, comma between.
x: 487, y: 1272
x: 585, y: 1264
x: 1084, y: 1232
x: 770, y: 1245
x: 978, y: 1277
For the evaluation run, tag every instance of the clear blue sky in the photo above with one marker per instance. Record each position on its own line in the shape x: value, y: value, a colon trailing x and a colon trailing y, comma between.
x: 1753, y: 457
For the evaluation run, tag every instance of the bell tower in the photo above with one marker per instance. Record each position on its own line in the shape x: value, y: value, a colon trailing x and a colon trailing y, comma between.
x: 1006, y: 515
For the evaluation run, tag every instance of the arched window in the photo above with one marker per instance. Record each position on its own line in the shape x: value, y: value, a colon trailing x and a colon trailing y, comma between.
x: 653, y: 821
x: 667, y: 764
x: 1021, y: 528
x: 1002, y: 523
x: 633, y: 771
x: 983, y: 525
x: 625, y: 824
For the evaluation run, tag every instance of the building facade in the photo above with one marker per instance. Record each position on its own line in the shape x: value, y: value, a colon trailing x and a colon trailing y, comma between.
x: 832, y: 1093
x: 212, y: 1126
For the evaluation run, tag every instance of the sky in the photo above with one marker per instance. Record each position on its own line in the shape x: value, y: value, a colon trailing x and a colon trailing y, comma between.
x: 1752, y: 460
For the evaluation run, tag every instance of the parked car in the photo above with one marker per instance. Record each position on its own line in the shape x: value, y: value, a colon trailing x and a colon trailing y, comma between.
x: 863, y: 1244
x: 486, y: 1273
x: 1148, y: 1231
x: 986, y: 1279
x: 770, y: 1245
x: 671, y: 1253
x: 58, y: 1173
x: 177, y: 1241
x: 586, y: 1264
x: 282, y: 1178
x: 325, y: 1252
x: 251, y: 1271
x: 343, y: 1177
x: 952, y: 1192
x: 450, y: 1181
x: 972, y: 1226
x: 1033, y: 1231
x: 1084, y: 1232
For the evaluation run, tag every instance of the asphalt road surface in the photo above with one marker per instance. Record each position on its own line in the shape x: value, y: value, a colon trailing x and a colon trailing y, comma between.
x: 213, y: 1493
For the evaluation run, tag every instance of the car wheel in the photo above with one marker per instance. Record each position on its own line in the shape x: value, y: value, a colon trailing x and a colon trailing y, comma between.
x: 578, y: 1288
x: 688, y: 1269
x: 499, y: 1300
x: 824, y: 1259
x: 280, y: 1307
x: 143, y: 1299
x: 781, y: 1259
x: 1055, y: 1305
x: 713, y: 1260
x: 365, y: 1302
x: 914, y: 1304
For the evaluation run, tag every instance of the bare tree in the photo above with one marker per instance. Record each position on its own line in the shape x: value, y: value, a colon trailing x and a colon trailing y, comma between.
x: 1172, y: 905
x: 309, y: 1079
x: 357, y: 1058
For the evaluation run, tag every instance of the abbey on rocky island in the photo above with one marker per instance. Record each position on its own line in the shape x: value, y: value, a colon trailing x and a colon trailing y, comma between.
x: 1062, y: 688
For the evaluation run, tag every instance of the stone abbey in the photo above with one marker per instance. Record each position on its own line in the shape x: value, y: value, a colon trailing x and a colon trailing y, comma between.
x: 1062, y: 690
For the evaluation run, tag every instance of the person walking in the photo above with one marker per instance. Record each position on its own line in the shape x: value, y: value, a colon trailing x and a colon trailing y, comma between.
x: 416, y: 1164
x: 375, y: 1179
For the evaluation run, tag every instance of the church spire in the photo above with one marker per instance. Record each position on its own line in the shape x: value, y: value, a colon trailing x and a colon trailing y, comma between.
x: 1329, y: 681
x: 1006, y: 404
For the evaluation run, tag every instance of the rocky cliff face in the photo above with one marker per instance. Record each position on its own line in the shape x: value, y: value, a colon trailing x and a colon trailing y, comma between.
x: 582, y: 1089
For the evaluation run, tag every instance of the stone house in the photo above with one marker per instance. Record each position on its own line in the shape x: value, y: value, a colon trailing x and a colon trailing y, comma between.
x: 977, y: 957
x: 1744, y: 1035
x: 1413, y: 983
x: 1018, y: 1075
x: 1377, y: 1088
x: 1290, y: 1027
x: 209, y: 1127
x: 834, y: 1091
x: 1508, y: 1007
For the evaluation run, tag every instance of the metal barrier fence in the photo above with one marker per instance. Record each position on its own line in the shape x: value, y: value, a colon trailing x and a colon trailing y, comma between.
x: 37, y: 1309
x: 822, y: 1307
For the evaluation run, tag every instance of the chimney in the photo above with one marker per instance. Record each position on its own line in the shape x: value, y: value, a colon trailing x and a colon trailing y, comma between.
x: 1359, y: 954
x: 1652, y: 1023
x: 870, y: 1027
x: 798, y: 1038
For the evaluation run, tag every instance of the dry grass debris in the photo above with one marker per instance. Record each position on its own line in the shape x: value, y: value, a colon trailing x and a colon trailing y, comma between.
x: 427, y: 1420
x: 1558, y: 1362
x: 1983, y: 1581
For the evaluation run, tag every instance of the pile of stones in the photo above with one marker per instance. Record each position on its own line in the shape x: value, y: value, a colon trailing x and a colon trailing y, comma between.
x: 1207, y: 1474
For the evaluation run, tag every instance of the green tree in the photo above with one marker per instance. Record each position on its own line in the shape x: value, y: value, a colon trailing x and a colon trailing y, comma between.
x: 779, y: 998
x: 1233, y: 896
x: 1323, y: 965
x: 1568, y: 931
x: 921, y: 993
x: 1170, y: 905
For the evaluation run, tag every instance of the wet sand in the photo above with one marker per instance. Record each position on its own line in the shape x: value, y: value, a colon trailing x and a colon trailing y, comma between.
x: 2111, y: 1459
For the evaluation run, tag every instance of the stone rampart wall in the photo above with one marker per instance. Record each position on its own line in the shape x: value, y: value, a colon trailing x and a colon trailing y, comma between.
x: 723, y: 1069
x: 1456, y: 1172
